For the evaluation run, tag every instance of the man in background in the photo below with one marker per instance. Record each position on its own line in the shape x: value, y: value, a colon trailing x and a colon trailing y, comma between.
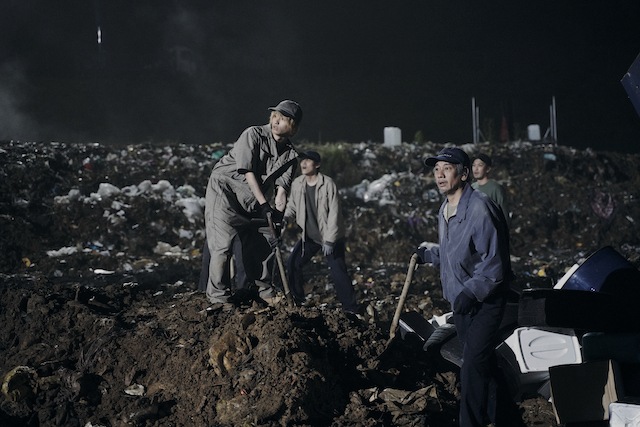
x: 481, y: 167
x: 315, y: 206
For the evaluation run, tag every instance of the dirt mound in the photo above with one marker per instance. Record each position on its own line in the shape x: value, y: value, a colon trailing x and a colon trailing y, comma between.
x: 101, y: 256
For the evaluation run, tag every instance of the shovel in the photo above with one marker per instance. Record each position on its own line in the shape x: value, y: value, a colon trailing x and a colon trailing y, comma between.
x: 283, y: 276
x: 403, y: 296
x: 396, y: 318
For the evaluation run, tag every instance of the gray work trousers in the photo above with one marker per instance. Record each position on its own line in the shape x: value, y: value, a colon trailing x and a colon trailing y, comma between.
x: 224, y: 218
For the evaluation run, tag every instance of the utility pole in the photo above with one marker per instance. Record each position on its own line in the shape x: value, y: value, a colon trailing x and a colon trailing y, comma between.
x: 552, y: 131
x: 475, y: 119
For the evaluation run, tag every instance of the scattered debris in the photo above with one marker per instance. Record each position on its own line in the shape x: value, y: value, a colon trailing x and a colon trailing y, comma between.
x: 101, y: 252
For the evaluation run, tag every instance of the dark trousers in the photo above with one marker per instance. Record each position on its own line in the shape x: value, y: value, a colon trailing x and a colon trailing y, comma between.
x: 302, y: 252
x: 479, y: 372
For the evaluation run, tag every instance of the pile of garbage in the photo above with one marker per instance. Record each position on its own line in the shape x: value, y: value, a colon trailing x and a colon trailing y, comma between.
x: 564, y: 203
x: 101, y: 254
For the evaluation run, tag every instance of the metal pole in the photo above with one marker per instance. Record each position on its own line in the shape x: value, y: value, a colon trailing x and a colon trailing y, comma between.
x: 550, y: 130
x: 473, y: 120
x: 478, y: 132
x: 555, y: 123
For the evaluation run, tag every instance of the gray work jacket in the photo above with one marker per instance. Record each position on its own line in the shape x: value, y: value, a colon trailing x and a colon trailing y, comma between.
x: 330, y: 222
x: 256, y: 151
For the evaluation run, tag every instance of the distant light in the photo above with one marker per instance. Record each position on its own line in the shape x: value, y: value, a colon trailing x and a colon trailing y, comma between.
x: 99, y: 35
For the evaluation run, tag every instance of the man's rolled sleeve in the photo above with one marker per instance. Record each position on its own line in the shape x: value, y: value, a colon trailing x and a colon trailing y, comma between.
x: 244, y: 148
x: 286, y: 178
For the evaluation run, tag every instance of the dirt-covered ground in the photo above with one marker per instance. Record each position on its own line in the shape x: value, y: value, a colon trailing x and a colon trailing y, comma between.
x: 101, y: 323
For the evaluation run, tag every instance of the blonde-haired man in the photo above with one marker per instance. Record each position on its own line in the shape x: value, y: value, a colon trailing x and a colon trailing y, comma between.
x: 262, y: 161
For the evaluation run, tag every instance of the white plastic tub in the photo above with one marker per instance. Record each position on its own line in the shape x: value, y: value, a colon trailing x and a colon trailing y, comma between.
x: 624, y: 415
x: 536, y: 350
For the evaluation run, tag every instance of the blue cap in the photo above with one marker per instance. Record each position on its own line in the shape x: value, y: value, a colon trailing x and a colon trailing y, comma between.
x: 311, y: 155
x: 451, y: 155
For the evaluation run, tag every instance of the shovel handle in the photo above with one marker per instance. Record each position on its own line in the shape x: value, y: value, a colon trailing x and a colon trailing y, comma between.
x: 403, y: 296
x: 283, y: 275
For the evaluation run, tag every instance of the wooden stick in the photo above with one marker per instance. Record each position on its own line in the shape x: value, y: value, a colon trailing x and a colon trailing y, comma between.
x: 403, y: 296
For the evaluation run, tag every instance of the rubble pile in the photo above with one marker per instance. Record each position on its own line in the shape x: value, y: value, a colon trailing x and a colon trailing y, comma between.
x: 101, y: 323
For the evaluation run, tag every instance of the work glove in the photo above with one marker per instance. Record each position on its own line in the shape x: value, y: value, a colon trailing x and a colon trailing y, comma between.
x: 327, y: 248
x: 465, y: 303
x: 277, y: 216
x: 274, y: 242
x: 421, y: 251
x: 266, y: 209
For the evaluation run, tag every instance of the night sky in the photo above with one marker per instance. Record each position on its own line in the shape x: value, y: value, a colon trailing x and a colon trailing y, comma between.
x: 354, y: 66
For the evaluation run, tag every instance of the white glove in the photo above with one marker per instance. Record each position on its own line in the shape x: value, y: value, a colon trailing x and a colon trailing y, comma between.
x: 327, y: 248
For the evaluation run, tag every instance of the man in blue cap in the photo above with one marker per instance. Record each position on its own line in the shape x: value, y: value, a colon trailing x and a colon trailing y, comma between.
x: 473, y: 257
x: 315, y: 206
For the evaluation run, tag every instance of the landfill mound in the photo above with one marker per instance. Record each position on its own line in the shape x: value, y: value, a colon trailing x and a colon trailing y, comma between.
x: 101, y: 322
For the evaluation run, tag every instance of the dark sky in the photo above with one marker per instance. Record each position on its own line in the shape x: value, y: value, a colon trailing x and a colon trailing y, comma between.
x: 354, y: 66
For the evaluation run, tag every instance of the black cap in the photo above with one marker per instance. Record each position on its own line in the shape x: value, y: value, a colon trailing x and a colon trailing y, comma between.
x: 451, y: 155
x: 289, y: 109
x: 311, y: 155
x: 486, y: 159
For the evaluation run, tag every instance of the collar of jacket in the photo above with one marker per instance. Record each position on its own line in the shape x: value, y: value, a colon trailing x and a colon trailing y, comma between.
x: 289, y: 144
x: 293, y: 151
x: 463, y: 203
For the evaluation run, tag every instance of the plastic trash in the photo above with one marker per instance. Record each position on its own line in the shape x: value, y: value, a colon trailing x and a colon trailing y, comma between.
x: 86, y: 163
x: 163, y: 248
x: 130, y: 190
x: 144, y: 186
x: 604, y: 271
x: 135, y: 390
x: 624, y: 415
x: 410, y: 402
x: 533, y: 132
x: 192, y: 207
x: 106, y: 190
x: 69, y: 250
x: 217, y: 155
x: 603, y: 205
x: 538, y: 349
x: 379, y: 190
x: 392, y: 136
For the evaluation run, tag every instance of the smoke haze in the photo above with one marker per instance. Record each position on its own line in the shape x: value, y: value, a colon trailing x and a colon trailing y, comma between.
x: 200, y: 71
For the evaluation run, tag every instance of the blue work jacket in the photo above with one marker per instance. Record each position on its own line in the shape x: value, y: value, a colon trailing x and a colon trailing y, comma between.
x: 474, y: 248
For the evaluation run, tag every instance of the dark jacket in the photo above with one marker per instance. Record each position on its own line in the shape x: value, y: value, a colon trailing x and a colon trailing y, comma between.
x: 474, y: 248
